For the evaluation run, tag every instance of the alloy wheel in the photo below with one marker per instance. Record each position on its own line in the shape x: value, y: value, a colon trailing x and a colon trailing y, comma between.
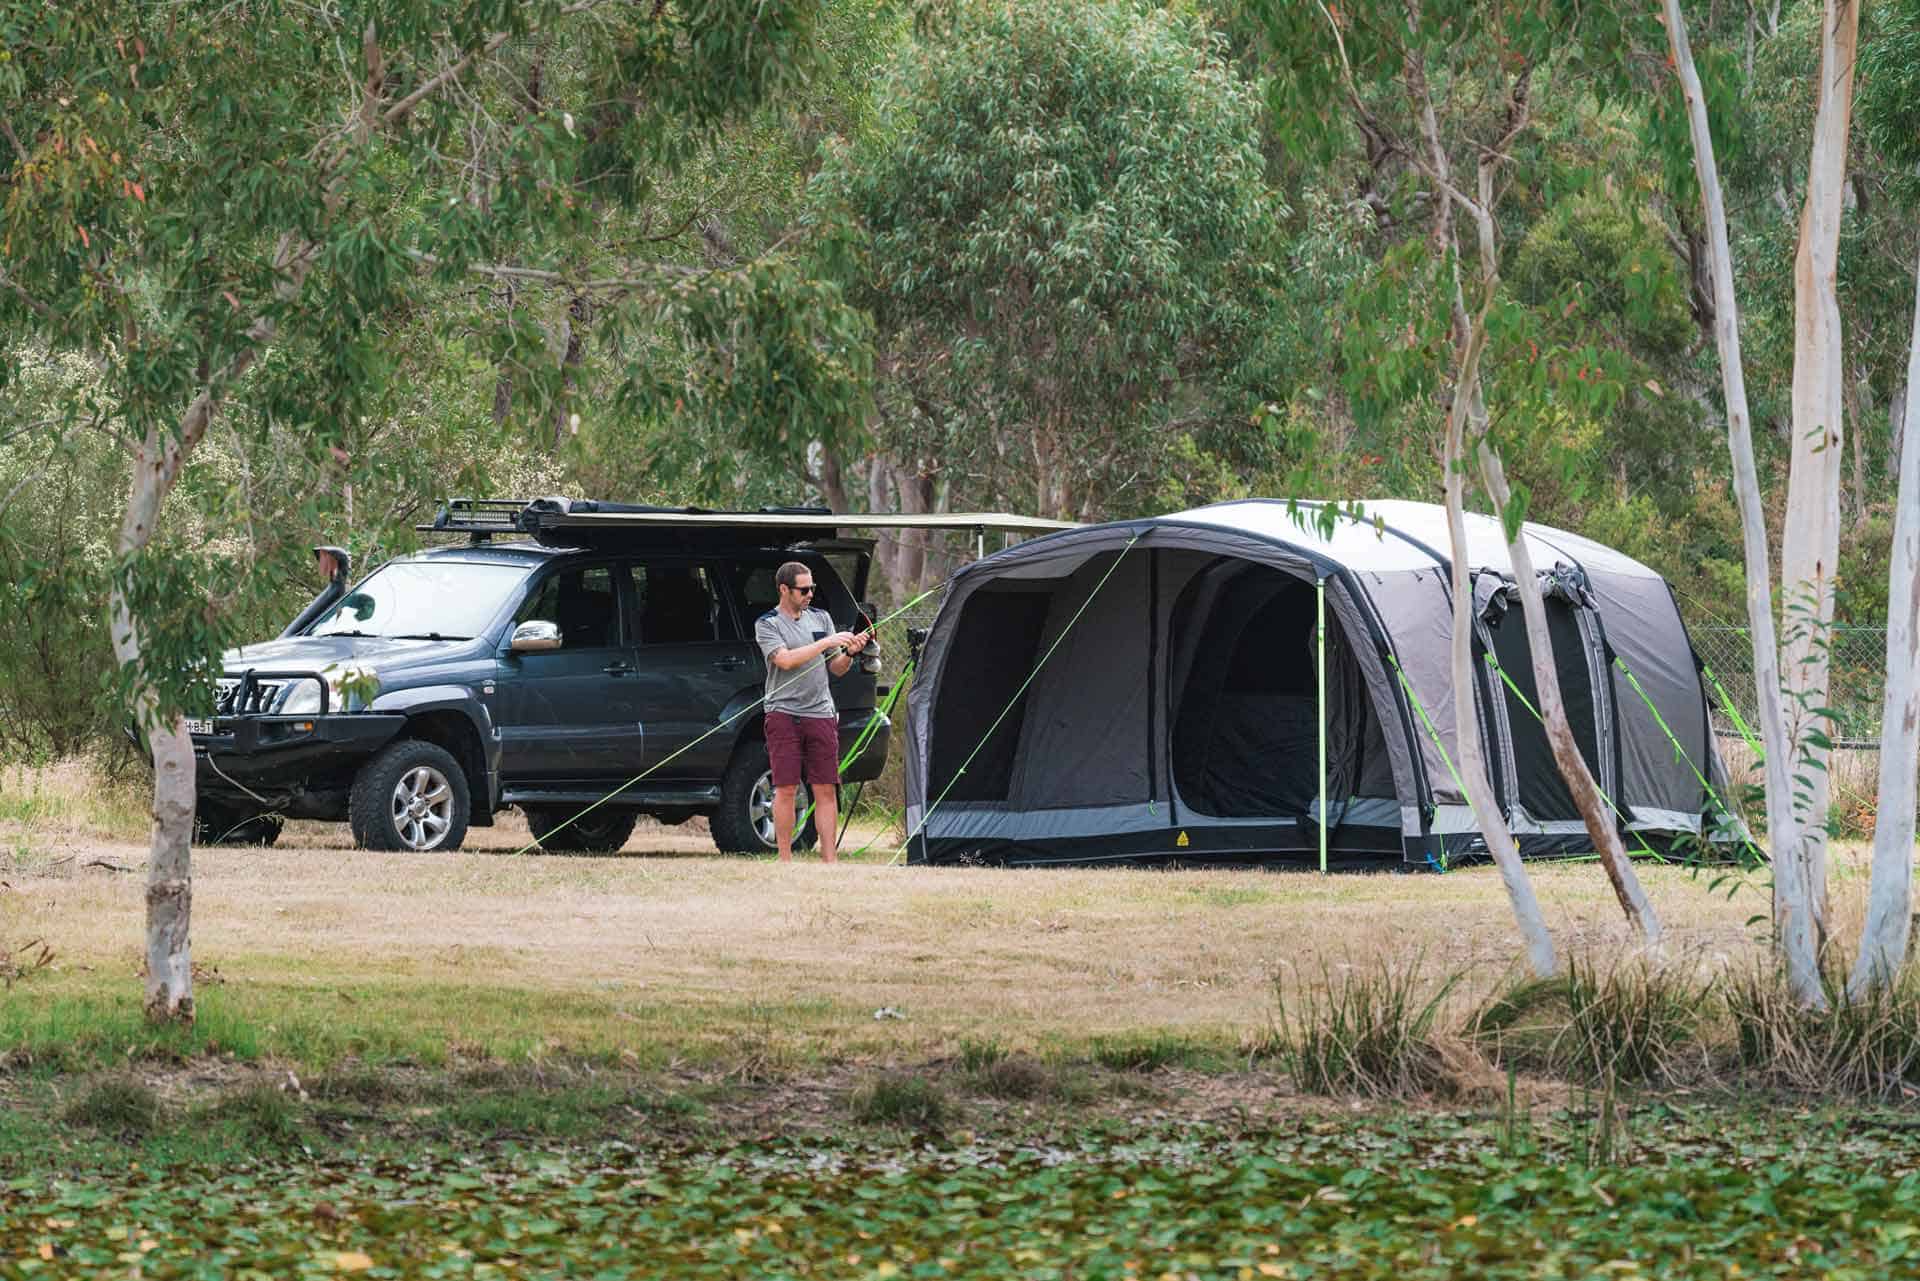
x: 422, y: 808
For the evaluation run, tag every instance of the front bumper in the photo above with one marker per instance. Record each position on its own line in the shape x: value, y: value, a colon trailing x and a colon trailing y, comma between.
x: 873, y: 757
x: 282, y: 756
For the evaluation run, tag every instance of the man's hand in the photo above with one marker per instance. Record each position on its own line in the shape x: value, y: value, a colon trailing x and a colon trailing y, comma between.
x: 858, y: 641
x: 843, y: 640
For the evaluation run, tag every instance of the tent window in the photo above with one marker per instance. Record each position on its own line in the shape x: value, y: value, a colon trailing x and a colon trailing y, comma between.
x: 995, y: 645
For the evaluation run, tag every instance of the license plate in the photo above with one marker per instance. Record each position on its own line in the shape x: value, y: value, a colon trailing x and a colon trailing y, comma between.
x: 197, y: 725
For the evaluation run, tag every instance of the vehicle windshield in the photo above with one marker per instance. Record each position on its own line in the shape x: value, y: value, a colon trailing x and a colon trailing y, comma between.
x: 423, y: 599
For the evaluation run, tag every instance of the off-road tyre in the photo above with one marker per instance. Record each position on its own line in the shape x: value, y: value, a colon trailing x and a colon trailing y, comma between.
x: 374, y: 809
x: 215, y: 824
x: 744, y: 822
x: 603, y: 831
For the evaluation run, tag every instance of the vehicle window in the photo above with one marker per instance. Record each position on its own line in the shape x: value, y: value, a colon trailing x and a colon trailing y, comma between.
x: 757, y: 593
x: 581, y: 602
x: 425, y: 599
x: 674, y: 604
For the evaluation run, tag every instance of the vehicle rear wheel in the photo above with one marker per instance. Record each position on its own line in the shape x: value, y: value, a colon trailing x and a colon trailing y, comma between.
x: 217, y: 824
x: 603, y: 831
x: 744, y: 822
x: 412, y: 796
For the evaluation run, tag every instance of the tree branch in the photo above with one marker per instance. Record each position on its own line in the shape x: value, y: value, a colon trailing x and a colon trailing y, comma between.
x: 39, y: 308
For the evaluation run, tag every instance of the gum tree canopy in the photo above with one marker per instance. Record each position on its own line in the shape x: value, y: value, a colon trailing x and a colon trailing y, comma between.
x: 233, y: 210
x: 1063, y: 212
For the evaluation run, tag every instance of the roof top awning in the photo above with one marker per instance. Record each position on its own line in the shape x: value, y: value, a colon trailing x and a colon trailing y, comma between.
x: 588, y: 522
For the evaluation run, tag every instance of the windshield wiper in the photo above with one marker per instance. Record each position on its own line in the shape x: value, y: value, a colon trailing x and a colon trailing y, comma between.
x: 428, y: 636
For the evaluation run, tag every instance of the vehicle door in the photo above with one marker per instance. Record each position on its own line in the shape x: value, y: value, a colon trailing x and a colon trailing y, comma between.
x: 572, y: 715
x: 690, y: 663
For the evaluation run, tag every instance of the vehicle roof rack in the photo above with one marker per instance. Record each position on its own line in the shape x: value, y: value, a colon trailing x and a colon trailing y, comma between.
x: 587, y: 522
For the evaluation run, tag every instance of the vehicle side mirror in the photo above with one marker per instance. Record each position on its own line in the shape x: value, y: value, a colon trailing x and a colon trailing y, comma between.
x: 535, y: 636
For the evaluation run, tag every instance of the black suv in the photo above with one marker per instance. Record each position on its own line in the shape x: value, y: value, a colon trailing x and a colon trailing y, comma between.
x: 544, y: 669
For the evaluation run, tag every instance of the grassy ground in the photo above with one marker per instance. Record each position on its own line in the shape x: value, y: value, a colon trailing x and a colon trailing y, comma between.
x: 664, y: 1062
x: 313, y: 951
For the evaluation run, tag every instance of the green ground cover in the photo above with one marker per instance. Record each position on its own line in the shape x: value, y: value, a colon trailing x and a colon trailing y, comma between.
x: 252, y: 1187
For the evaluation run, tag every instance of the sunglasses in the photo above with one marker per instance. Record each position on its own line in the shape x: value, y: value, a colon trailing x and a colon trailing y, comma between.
x: 805, y: 590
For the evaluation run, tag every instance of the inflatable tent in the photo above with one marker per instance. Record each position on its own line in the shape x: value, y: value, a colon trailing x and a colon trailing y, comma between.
x: 1166, y: 689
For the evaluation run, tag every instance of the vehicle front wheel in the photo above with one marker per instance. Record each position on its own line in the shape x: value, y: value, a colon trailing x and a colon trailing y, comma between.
x: 412, y: 796
x: 601, y: 832
x: 744, y: 822
x: 215, y: 824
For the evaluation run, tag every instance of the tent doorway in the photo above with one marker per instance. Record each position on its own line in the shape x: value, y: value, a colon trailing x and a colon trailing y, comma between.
x: 1246, y: 711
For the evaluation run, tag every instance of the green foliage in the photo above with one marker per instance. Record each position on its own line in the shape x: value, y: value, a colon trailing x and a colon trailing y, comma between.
x: 1060, y: 223
x: 280, y: 220
x: 117, y: 1105
x: 901, y: 1099
x: 1429, y: 1197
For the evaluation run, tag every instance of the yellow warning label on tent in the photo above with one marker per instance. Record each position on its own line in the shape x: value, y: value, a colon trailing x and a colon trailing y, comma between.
x: 1182, y: 842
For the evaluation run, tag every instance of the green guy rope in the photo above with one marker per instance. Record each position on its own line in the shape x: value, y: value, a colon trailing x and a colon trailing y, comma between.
x: 1739, y: 722
x: 880, y: 714
x: 1535, y: 713
x: 1681, y: 751
x: 689, y: 746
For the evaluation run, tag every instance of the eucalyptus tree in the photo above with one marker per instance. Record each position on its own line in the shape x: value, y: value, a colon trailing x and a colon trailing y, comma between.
x: 1061, y: 227
x: 234, y: 211
x: 1446, y: 93
x: 1791, y: 670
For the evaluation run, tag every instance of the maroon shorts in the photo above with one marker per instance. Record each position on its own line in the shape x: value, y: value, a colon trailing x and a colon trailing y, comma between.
x: 807, y: 745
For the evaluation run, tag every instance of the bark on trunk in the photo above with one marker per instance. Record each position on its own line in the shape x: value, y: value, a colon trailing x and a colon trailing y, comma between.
x: 1473, y: 762
x: 1802, y: 969
x: 1594, y: 810
x: 1469, y: 401
x: 156, y: 467
x: 1883, y: 942
x: 1810, y: 539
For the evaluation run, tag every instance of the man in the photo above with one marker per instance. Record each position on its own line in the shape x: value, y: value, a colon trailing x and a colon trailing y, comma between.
x: 803, y: 726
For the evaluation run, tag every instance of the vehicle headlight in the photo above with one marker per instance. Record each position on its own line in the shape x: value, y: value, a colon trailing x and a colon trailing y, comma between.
x: 303, y: 696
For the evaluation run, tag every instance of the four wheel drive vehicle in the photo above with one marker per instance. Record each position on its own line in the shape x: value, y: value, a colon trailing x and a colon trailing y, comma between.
x: 546, y: 663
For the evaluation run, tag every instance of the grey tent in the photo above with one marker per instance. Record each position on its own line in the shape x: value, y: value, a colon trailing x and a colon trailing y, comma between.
x: 1152, y: 689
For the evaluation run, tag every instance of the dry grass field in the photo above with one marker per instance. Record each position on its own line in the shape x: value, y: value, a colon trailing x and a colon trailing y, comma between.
x: 667, y: 953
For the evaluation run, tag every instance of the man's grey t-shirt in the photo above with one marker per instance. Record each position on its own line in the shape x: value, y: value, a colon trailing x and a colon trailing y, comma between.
x: 802, y: 691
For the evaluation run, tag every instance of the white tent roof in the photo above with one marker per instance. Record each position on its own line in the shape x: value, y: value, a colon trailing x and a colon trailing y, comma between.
x: 1394, y: 535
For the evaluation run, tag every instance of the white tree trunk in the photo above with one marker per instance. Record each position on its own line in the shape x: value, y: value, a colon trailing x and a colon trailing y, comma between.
x: 1466, y: 723
x: 1796, y: 951
x: 1594, y: 811
x: 1883, y: 943
x: 156, y: 466
x: 1566, y: 752
x: 1810, y: 539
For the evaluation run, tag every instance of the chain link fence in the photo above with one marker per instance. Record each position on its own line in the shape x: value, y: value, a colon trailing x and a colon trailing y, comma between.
x: 1855, y: 692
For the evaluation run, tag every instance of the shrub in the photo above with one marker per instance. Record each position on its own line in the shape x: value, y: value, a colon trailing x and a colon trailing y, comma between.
x: 1866, y: 1047
x: 1143, y: 1054
x: 262, y: 1113
x: 117, y: 1105
x: 901, y: 1099
x: 1014, y: 1077
x: 1369, y: 1032
x: 1628, y: 1023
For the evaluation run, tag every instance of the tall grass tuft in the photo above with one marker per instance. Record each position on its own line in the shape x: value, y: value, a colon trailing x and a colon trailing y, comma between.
x: 117, y: 1105
x: 1366, y: 1032
x: 1595, y: 1026
x: 1869, y: 1047
x: 902, y: 1099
